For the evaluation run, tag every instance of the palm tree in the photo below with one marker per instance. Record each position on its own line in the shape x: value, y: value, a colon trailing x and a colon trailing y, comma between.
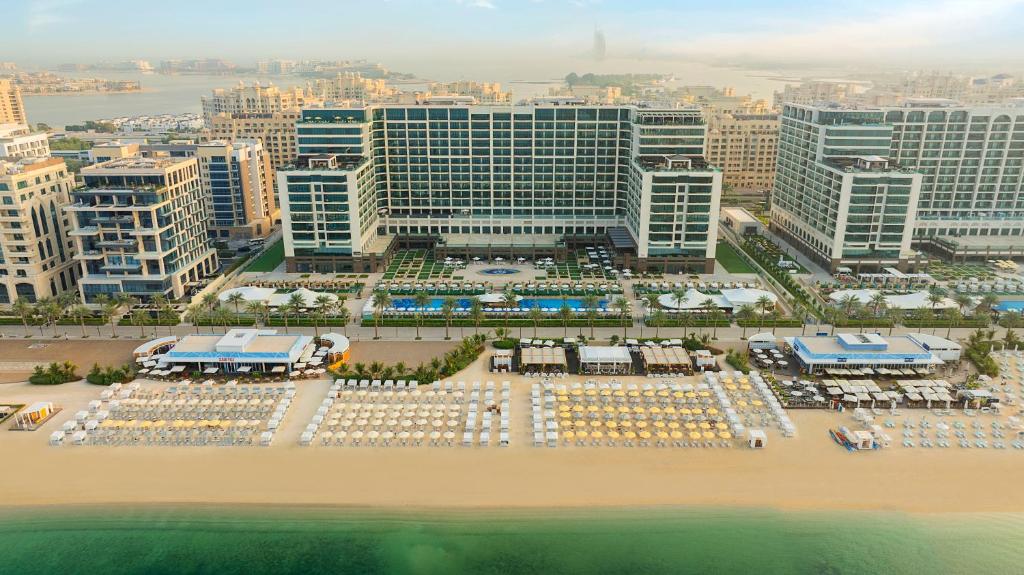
x: 223, y: 317
x: 23, y: 309
x: 651, y: 299
x: 565, y: 313
x: 658, y: 318
x: 1012, y: 319
x: 935, y: 298
x: 954, y: 316
x: 591, y: 301
x: 622, y: 306
x: 536, y: 314
x: 344, y: 316
x: 109, y: 310
x: 317, y: 314
x: 236, y: 299
x: 987, y: 302
x: 717, y: 315
x: 50, y: 311
x: 448, y: 306
x: 509, y: 301
x: 877, y: 302
x: 80, y: 312
x: 285, y: 311
x: 745, y: 314
x: 764, y: 304
x: 476, y: 312
x: 962, y: 301
x: 894, y: 315
x: 210, y: 301
x: 259, y: 311
x: 139, y: 318
x: 421, y: 300
x: 381, y: 302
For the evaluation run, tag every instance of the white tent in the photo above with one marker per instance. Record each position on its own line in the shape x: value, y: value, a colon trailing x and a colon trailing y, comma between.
x: 595, y: 359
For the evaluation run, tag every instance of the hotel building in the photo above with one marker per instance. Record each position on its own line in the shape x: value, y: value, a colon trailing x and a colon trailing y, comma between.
x: 276, y: 131
x: 36, y: 256
x: 12, y: 108
x: 468, y: 180
x: 744, y: 147
x: 19, y: 141
x: 140, y: 227
x: 860, y: 186
x: 237, y: 182
x: 255, y: 99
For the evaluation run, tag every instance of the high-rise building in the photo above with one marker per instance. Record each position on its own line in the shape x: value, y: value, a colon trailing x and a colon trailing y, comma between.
x: 237, y: 183
x: 140, y: 225
x: 276, y: 131
x: 817, y: 92
x: 858, y: 186
x: 488, y: 180
x: 12, y: 109
x: 19, y: 141
x: 743, y: 146
x: 36, y: 255
x: 255, y: 99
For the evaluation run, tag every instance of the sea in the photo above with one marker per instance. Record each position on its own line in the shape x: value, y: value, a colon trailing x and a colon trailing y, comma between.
x: 179, y: 94
x: 311, y: 541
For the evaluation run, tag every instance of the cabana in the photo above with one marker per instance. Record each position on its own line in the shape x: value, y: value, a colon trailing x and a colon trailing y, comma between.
x: 34, y: 415
x: 542, y: 359
x: 337, y: 348
x: 502, y: 360
x: 665, y: 360
x: 757, y: 439
x: 610, y: 360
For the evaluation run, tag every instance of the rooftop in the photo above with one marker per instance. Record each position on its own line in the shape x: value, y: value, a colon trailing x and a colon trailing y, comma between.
x: 136, y: 164
x: 875, y: 346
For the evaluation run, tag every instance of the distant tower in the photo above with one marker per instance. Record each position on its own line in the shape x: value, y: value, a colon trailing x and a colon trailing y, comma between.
x: 599, y: 45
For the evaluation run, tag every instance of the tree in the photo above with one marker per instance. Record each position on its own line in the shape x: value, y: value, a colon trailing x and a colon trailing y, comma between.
x: 317, y: 314
x: 344, y: 316
x: 935, y: 298
x: 953, y: 316
x: 764, y: 304
x: 109, y: 310
x: 591, y: 301
x: 509, y: 301
x: 658, y: 319
x: 285, y: 311
x: 448, y: 306
x: 236, y: 299
x: 223, y: 317
x: 800, y: 312
x: 1012, y: 319
x: 565, y: 313
x: 476, y: 312
x: 23, y: 309
x: 536, y: 314
x: 49, y: 310
x: 80, y: 312
x: 895, y: 315
x: 140, y: 318
x: 745, y: 314
x: 651, y: 299
x: 421, y: 300
x: 259, y: 311
x: 210, y: 301
x: 381, y: 302
x: 987, y: 302
x: 962, y: 301
x: 709, y: 308
x: 622, y: 306
x: 877, y: 302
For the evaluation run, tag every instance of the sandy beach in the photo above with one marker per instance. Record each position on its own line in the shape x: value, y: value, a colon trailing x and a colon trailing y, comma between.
x: 806, y: 472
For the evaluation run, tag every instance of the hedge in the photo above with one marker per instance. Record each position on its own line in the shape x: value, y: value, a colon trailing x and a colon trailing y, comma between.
x: 408, y: 322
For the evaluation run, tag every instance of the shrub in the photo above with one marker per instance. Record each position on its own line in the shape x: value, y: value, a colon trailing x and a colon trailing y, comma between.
x: 54, y: 374
x: 737, y: 361
x: 505, y: 344
x: 108, y: 375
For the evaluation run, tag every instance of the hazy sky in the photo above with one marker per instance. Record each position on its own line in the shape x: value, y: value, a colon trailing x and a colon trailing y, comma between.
x: 410, y: 34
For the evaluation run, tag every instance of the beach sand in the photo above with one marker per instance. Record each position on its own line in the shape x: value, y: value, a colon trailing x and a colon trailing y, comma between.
x: 802, y: 473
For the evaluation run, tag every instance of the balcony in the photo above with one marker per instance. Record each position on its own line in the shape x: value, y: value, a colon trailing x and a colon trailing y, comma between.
x: 85, y: 231
x: 115, y: 220
x: 89, y: 255
x: 121, y: 243
x: 121, y: 267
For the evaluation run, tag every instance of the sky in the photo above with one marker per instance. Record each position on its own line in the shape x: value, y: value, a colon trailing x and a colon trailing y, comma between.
x: 412, y: 35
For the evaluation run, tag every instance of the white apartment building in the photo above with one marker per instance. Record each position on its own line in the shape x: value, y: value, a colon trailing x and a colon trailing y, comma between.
x: 19, y: 141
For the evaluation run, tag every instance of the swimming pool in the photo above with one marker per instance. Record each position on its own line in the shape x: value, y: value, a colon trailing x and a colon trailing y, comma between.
x: 1009, y: 305
x: 555, y: 304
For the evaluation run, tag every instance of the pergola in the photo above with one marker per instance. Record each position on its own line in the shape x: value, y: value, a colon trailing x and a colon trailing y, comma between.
x: 542, y: 359
x: 666, y: 360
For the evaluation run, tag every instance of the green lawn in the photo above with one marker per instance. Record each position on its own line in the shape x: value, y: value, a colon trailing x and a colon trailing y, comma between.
x: 268, y: 260
x: 730, y: 260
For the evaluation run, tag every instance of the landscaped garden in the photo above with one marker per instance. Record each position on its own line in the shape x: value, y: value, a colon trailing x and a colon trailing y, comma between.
x: 732, y: 261
x: 417, y: 265
x: 269, y: 259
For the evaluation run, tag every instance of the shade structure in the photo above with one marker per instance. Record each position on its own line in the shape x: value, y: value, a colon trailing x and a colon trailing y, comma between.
x: 542, y: 359
x: 601, y: 360
x: 666, y: 359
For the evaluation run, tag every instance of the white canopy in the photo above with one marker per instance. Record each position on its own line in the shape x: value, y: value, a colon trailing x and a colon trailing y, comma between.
x: 602, y: 354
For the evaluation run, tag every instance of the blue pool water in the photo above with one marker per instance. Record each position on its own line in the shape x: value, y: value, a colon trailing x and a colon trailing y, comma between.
x: 499, y: 271
x: 553, y: 303
x: 1012, y: 305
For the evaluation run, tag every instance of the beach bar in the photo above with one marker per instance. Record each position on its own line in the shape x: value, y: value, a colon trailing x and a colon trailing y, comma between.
x: 241, y: 351
x: 816, y: 354
x: 542, y: 360
x: 666, y: 360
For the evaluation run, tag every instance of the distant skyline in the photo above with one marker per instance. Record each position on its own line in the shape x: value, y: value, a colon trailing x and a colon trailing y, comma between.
x: 446, y: 35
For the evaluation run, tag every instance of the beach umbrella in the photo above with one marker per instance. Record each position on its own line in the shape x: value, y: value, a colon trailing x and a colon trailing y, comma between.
x: 596, y: 434
x: 676, y: 435
x: 725, y: 435
x: 709, y: 435
x: 581, y: 434
x: 626, y: 423
x: 568, y: 435
x: 694, y: 435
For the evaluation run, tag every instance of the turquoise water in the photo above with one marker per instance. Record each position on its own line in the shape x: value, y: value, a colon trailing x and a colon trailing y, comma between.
x: 1010, y: 305
x: 551, y: 303
x: 283, y: 540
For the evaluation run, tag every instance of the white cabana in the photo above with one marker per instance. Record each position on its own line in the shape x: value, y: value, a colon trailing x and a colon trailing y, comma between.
x: 601, y: 359
x: 757, y: 439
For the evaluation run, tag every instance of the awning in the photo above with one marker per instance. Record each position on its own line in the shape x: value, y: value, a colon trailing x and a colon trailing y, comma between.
x: 211, y: 370
x: 278, y: 369
x: 245, y: 369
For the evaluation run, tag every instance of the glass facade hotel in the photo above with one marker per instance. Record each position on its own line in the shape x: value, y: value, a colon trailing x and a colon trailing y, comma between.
x: 370, y: 175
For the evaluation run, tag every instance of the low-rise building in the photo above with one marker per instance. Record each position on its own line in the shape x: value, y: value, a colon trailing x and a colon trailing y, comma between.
x: 859, y: 350
x: 19, y: 141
